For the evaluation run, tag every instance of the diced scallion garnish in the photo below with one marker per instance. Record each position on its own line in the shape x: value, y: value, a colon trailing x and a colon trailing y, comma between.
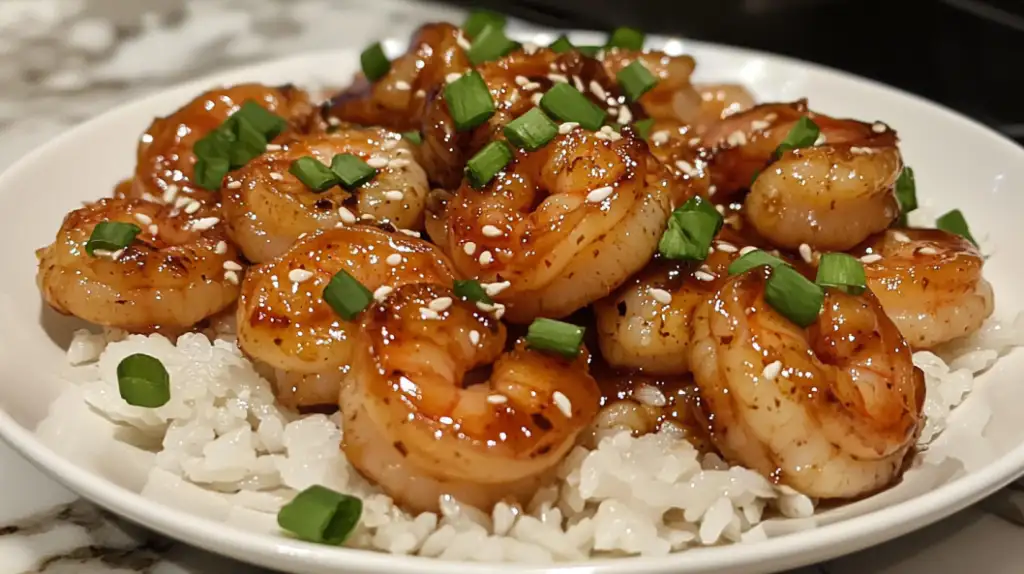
x: 469, y: 101
x: 643, y: 127
x: 906, y: 193
x: 143, y: 381
x: 628, y: 38
x: 691, y: 228
x: 803, y: 134
x: 375, y: 63
x: 249, y: 143
x: 562, y: 44
x: 480, y: 19
x: 756, y: 258
x: 490, y: 44
x: 636, y: 80
x: 793, y: 295
x: 319, y: 514
x: 239, y: 139
x: 346, y: 295
x: 209, y: 173
x: 351, y: 170
x: 555, y: 336
x: 531, y: 131
x: 843, y: 272
x: 314, y: 174
x: 482, y: 167
x: 414, y: 137
x: 111, y: 236
x: 266, y: 123
x: 954, y: 222
x: 566, y: 104
x: 471, y: 290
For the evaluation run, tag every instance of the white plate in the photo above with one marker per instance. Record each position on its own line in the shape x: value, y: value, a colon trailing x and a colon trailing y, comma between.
x: 958, y: 163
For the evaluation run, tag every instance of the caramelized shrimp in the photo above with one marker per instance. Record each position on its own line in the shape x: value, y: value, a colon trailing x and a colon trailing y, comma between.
x: 719, y: 101
x: 284, y: 321
x: 267, y: 208
x: 421, y: 419
x: 178, y: 271
x: 673, y: 97
x: 831, y: 410
x: 929, y: 282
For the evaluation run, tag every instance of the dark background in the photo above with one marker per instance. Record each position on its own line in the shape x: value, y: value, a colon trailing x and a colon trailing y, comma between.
x: 963, y: 53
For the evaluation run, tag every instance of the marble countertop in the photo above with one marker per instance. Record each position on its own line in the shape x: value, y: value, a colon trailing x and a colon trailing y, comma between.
x: 63, y: 61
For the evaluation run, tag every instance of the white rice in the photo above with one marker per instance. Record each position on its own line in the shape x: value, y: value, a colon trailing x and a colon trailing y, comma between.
x: 225, y: 450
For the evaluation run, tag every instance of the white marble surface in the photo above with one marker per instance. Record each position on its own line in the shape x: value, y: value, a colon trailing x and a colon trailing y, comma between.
x: 62, y: 61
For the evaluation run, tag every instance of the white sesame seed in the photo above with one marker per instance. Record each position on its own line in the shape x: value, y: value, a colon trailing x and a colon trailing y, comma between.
x: 333, y: 121
x: 231, y: 277
x: 398, y: 162
x: 367, y: 217
x: 146, y: 196
x: 452, y: 77
x: 494, y: 289
x: 409, y: 232
x: 182, y: 201
x: 562, y: 402
x: 694, y: 142
x: 900, y: 236
x: 855, y: 150
x: 612, y: 134
x: 276, y: 176
x: 611, y: 101
x: 205, y: 223
x: 389, y: 145
x: 660, y: 137
x: 712, y: 189
x: 143, y: 218
x: 192, y: 207
x: 522, y: 80
x: 567, y: 127
x: 273, y: 147
x: 650, y: 395
x: 170, y: 193
x: 879, y: 128
x: 299, y: 275
x: 394, y: 259
x: 221, y: 248
x: 232, y: 266
x: 102, y: 253
x: 491, y: 231
x: 772, y: 370
x: 711, y: 250
x: 469, y: 248
x: 402, y: 85
x: 346, y: 215
x: 440, y: 304
x: 421, y: 93
x: 474, y: 337
x: 153, y: 229
x: 703, y: 276
x: 687, y: 168
x: 499, y: 310
x: 597, y: 90
x: 726, y: 247
x: 613, y: 112
x: 820, y: 140
x: 234, y: 185
x: 496, y: 399
x: 394, y: 195
x: 747, y: 249
x: 660, y: 295
x: 771, y: 117
x: 928, y: 251
x: 462, y: 41
x: 378, y: 162
x: 529, y: 48
x: 485, y: 258
x: 720, y: 209
x: 625, y: 116
x: 530, y: 86
x: 535, y: 98
x: 382, y: 292
x: 758, y: 125
x: 600, y: 194
x: 578, y: 83
x: 806, y: 253
x: 485, y: 307
x: 736, y: 138
x: 871, y: 258
x: 428, y: 313
x: 558, y: 78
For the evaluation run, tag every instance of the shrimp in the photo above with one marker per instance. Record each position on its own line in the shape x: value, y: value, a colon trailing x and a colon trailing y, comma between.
x: 267, y: 208
x: 422, y: 419
x: 284, y: 322
x: 177, y: 272
x: 165, y: 162
x: 929, y: 282
x: 563, y: 226
x: 397, y: 100
x: 719, y: 101
x: 832, y: 410
x: 673, y: 97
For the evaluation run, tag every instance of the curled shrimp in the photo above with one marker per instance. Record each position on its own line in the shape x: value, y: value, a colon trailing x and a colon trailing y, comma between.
x: 929, y: 282
x: 177, y: 272
x: 422, y: 420
x: 267, y: 208
x: 831, y: 410
x: 673, y: 97
x: 284, y: 322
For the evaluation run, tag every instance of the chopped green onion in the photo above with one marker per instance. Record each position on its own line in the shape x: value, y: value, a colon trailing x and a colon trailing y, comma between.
x: 248, y: 144
x: 469, y: 101
x: 490, y: 44
x: 691, y: 228
x: 414, y: 137
x: 532, y: 130
x: 843, y: 272
x: 111, y: 236
x: 314, y: 174
x: 566, y: 104
x: 482, y: 167
x: 209, y: 173
x: 793, y: 295
x: 636, y: 80
x: 803, y: 134
x: 954, y: 222
x: 643, y: 127
x: 480, y: 19
x: 143, y: 381
x: 269, y: 124
x: 590, y: 51
x: 352, y: 170
x: 549, y: 335
x: 906, y: 193
x: 562, y: 44
x: 756, y: 258
x: 321, y: 515
x: 235, y: 142
x: 375, y: 63
x: 346, y: 295
x: 628, y: 38
x: 471, y: 290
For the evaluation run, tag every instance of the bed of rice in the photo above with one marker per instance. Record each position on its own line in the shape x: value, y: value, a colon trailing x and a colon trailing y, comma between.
x: 226, y: 451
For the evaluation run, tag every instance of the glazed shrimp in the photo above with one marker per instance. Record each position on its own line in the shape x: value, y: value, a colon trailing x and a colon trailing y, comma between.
x: 831, y: 410
x: 929, y: 282
x: 283, y: 320
x: 397, y: 100
x: 420, y: 423
x: 563, y: 226
x: 673, y: 97
x: 165, y: 162
x: 267, y: 208
x: 177, y: 272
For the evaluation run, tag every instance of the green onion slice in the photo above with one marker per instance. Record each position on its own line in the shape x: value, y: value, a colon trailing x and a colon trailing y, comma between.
x: 351, y: 170
x: 346, y: 295
x: 756, y: 258
x: 111, y: 236
x: 954, y: 222
x: 314, y: 174
x: 803, y: 134
x: 414, y: 137
x: 239, y: 139
x: 469, y: 101
x: 269, y: 124
x: 249, y: 143
x: 490, y: 44
x: 143, y: 381
x: 564, y: 339
x: 643, y: 127
x: 906, y: 193
x: 375, y: 63
x: 471, y: 290
x: 482, y: 167
x: 566, y: 104
x: 562, y: 44
x: 628, y: 38
x: 209, y: 173
x: 636, y: 80
x: 532, y: 130
x: 793, y: 295
x: 480, y: 19
x: 691, y: 228
x: 843, y: 272
x: 321, y: 515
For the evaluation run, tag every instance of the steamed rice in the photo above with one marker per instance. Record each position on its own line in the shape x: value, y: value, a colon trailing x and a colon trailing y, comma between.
x: 225, y: 450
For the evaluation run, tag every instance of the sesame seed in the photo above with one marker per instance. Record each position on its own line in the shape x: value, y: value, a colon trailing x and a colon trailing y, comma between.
x: 600, y: 194
x: 496, y: 399
x: 928, y: 251
x: 427, y: 313
x: 394, y: 195
x: 276, y: 176
x: 462, y: 42
x: 231, y: 277
x: 485, y: 258
x: 736, y: 138
x: 597, y: 90
x: 660, y: 137
x: 535, y: 98
x: 558, y: 78
x: 861, y: 150
x: 346, y: 215
x: 563, y: 403
x: 402, y: 85
x: 394, y: 259
x: 703, y: 276
x: 694, y: 142
x: 711, y: 250
x: 530, y: 48
x: 712, y: 189
x: 485, y: 307
x: 687, y: 168
x: 398, y: 162
x: 381, y: 293
x: 611, y: 101
x: 821, y: 139
x: 205, y: 223
x: 378, y: 162
x: 747, y: 249
x: 452, y: 77
x: 469, y: 248
x: 578, y: 83
x: 772, y: 370
x: 871, y: 258
x: 367, y: 217
x: 273, y: 147
x: 492, y: 231
x: 182, y: 201
x: 493, y: 289
x: 758, y: 125
x: 221, y: 248
x: 879, y: 128
x: 660, y: 295
x: 440, y: 304
x: 192, y: 207
x: 170, y: 193
x: 389, y: 145
x: 614, y: 112
x: 409, y: 232
x: 567, y: 127
x: 146, y: 196
x: 720, y: 209
x: 530, y: 86
x: 232, y: 266
x: 650, y: 395
x: 299, y: 275
x: 102, y: 253
x: 612, y: 134
x: 499, y: 310
x: 806, y: 253
x: 421, y: 93
x: 771, y: 117
x: 900, y: 236
x: 474, y: 337
x: 522, y: 80
x: 143, y: 218
x: 625, y: 116
x: 234, y: 185
x: 333, y: 121
x: 726, y: 247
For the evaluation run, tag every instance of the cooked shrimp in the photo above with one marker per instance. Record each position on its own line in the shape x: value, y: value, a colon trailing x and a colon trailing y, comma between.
x: 674, y: 144
x: 929, y: 282
x: 420, y: 423
x: 267, y: 208
x: 396, y: 101
x: 831, y: 410
x: 719, y: 101
x: 165, y: 162
x: 673, y: 97
x: 284, y: 321
x: 563, y: 226
x: 178, y: 271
